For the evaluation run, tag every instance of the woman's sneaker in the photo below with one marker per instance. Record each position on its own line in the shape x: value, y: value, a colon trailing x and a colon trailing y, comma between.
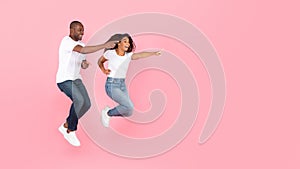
x: 105, y: 117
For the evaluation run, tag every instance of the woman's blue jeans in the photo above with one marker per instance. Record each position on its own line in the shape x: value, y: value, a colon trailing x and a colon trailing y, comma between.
x: 116, y: 89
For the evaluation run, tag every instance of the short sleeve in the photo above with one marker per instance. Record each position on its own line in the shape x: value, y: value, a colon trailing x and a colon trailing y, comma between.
x: 130, y: 54
x: 107, y: 54
x: 68, y: 44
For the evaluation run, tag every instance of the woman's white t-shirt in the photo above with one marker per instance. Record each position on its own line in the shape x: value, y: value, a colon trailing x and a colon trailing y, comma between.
x: 118, y: 65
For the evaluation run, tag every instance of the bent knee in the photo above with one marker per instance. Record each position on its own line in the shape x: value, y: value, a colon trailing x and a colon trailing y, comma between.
x: 130, y: 107
x: 88, y: 104
x: 129, y: 110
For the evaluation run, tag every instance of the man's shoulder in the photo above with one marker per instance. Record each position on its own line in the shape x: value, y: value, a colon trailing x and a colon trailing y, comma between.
x: 67, y: 38
x: 69, y: 41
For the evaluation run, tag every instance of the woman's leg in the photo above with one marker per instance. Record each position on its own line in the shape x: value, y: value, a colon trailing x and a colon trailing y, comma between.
x: 117, y: 91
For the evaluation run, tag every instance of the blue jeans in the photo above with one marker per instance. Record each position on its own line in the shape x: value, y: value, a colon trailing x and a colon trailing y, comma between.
x: 116, y: 89
x: 76, y: 91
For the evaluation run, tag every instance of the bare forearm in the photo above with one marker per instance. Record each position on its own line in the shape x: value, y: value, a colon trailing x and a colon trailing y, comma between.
x: 95, y: 48
x: 101, y: 65
x: 141, y: 55
x: 91, y: 49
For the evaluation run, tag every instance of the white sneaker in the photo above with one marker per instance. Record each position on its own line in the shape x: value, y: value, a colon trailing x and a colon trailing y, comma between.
x: 70, y: 137
x: 105, y: 117
x: 62, y: 129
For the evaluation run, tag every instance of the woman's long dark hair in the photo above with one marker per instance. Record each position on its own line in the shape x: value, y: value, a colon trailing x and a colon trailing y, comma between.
x: 119, y: 37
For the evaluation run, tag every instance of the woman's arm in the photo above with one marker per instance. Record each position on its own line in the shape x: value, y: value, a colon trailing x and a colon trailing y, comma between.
x: 140, y: 55
x: 101, y: 61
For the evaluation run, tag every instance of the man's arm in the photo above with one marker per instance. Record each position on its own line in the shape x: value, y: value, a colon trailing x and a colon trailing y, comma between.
x: 92, y: 49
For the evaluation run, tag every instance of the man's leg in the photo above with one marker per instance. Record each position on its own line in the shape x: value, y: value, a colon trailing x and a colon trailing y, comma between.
x: 85, y: 102
x: 72, y: 92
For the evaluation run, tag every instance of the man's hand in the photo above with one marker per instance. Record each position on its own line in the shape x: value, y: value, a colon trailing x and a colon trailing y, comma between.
x: 85, y: 64
x: 110, y: 44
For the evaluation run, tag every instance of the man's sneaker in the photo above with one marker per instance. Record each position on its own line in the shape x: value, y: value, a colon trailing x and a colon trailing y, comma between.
x: 105, y: 117
x: 62, y: 129
x: 70, y: 137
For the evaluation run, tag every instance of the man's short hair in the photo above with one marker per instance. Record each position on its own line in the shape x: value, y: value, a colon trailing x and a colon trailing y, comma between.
x: 74, y: 23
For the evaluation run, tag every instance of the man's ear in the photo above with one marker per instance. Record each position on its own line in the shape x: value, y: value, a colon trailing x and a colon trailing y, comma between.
x: 72, y: 31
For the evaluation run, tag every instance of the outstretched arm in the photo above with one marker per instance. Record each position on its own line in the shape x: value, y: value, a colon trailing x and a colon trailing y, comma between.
x: 92, y: 49
x: 140, y: 55
x: 101, y: 61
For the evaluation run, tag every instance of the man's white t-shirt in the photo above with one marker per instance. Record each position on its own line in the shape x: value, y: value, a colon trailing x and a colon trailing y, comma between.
x: 69, y: 60
x: 118, y: 65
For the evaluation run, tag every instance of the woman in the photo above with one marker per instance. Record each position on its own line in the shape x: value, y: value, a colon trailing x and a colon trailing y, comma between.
x: 118, y: 59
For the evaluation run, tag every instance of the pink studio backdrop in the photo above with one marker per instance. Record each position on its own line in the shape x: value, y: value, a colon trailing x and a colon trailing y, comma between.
x: 257, y: 43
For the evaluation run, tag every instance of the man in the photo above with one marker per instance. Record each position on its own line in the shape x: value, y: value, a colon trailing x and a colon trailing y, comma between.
x: 71, y: 59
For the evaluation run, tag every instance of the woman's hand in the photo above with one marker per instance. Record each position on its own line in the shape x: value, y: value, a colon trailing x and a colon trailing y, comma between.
x: 158, y: 53
x: 106, y: 71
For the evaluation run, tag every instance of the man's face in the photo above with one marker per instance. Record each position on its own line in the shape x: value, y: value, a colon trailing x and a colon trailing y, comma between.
x: 77, y: 32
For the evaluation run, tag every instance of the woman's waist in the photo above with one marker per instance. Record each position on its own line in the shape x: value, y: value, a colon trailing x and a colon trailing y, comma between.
x: 115, y: 80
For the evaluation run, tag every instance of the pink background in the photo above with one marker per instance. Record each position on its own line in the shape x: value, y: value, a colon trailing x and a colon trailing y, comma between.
x: 257, y: 42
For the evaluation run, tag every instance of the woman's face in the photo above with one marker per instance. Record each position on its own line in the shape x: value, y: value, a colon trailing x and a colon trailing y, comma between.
x: 124, y: 44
